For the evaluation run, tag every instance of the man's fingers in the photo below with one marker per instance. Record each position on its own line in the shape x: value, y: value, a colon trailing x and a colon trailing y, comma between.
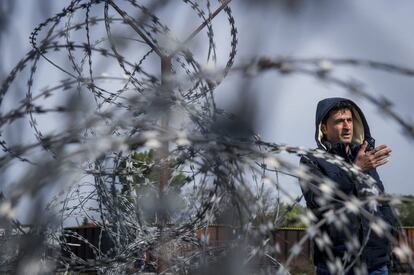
x: 380, y: 158
x: 382, y: 152
x: 363, y: 148
x: 382, y: 162
x: 379, y: 148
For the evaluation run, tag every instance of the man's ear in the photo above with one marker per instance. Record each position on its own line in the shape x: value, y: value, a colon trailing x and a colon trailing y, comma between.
x: 323, y: 128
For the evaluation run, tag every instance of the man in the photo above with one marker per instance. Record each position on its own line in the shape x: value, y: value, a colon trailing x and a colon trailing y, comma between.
x: 351, y: 246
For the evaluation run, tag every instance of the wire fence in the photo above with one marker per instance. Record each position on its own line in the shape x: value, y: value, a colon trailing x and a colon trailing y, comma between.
x: 141, y: 153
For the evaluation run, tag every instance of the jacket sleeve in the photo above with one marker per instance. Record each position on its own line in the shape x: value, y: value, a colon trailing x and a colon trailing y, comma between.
x: 387, y: 212
x: 310, y: 196
x: 373, y: 173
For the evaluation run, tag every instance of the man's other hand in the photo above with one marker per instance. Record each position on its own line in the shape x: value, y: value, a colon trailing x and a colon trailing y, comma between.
x: 372, y: 159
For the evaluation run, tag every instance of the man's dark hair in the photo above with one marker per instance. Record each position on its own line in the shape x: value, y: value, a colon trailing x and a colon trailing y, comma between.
x: 338, y: 106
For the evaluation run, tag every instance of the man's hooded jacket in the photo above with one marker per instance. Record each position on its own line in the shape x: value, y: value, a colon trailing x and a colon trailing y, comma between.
x: 352, y: 241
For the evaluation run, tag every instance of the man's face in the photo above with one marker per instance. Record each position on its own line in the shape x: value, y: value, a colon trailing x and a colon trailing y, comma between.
x: 339, y: 127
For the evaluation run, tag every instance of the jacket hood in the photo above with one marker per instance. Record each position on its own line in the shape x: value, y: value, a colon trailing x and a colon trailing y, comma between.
x: 361, y: 130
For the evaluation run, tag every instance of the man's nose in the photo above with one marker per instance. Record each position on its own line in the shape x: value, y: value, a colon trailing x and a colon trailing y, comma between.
x: 347, y: 125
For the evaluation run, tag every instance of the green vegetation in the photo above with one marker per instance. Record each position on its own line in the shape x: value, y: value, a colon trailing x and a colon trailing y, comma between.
x: 286, y: 215
x: 405, y: 210
x: 144, y: 162
x: 145, y: 184
x: 292, y: 216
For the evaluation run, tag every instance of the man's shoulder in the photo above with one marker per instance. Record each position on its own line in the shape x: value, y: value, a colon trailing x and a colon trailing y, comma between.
x: 309, y: 159
x: 317, y: 159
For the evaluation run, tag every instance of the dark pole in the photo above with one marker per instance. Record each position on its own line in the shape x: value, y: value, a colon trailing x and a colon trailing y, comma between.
x: 163, y: 153
x: 166, y: 70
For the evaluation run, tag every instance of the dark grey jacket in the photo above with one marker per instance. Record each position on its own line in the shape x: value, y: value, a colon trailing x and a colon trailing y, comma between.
x: 376, y: 251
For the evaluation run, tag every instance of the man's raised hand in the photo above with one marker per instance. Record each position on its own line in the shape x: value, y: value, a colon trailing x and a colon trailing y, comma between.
x: 372, y: 159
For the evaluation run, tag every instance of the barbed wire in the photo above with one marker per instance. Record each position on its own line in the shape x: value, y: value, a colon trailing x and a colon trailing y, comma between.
x: 110, y: 151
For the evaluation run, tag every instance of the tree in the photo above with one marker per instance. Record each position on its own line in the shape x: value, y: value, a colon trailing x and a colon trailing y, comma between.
x: 287, y: 215
x: 405, y: 210
x: 142, y: 175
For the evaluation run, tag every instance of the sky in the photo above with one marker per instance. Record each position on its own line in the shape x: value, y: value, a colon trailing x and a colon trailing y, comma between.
x: 285, y: 104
